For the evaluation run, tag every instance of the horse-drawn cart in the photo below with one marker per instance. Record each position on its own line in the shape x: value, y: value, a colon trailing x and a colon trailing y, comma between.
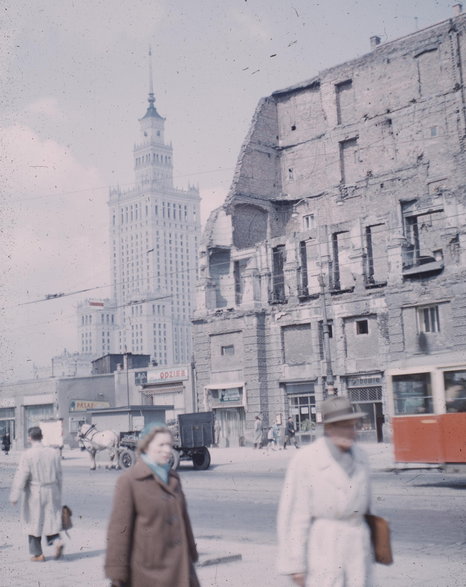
x: 193, y: 434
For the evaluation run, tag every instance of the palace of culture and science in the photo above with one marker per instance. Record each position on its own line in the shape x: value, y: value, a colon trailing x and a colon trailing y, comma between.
x: 154, y: 233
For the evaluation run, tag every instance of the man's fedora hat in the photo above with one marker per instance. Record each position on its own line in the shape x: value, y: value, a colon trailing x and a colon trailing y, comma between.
x: 338, y: 409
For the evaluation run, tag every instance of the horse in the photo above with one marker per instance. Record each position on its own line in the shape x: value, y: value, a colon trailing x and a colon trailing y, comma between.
x: 94, y: 441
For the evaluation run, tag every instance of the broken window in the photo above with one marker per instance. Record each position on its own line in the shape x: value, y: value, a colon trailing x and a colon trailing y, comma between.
x: 339, y: 276
x: 421, y: 232
x: 376, y: 254
x: 349, y: 161
x: 219, y: 269
x: 345, y: 102
x: 278, y: 276
x: 303, y: 279
x: 238, y: 273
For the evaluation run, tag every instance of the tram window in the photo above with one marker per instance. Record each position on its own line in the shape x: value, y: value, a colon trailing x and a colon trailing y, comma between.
x: 455, y: 391
x: 412, y: 393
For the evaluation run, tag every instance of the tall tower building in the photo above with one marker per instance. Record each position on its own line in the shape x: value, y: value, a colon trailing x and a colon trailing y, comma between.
x: 154, y: 230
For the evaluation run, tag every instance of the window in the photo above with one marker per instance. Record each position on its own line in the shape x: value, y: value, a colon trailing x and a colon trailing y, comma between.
x: 227, y: 350
x: 412, y: 393
x: 362, y: 327
x: 278, y: 277
x: 309, y: 221
x: 428, y: 319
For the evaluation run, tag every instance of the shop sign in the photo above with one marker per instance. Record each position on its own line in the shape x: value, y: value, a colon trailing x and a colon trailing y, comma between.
x: 81, y: 405
x: 364, y: 381
x: 8, y: 402
x: 229, y: 395
x: 167, y: 374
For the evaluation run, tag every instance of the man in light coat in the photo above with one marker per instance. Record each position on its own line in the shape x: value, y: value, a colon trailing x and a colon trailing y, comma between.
x: 39, y: 480
x: 322, y: 534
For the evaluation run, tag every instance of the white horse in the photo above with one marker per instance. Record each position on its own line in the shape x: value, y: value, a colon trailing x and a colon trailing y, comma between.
x: 94, y: 441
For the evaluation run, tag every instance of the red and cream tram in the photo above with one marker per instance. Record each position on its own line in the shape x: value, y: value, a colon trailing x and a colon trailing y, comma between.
x: 428, y: 414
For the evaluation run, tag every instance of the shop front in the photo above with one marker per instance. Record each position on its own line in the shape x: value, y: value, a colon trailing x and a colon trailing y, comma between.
x: 365, y: 392
x: 228, y: 402
x: 301, y: 403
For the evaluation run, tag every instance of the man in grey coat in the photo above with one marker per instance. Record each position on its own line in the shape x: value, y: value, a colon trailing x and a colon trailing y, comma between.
x: 39, y: 480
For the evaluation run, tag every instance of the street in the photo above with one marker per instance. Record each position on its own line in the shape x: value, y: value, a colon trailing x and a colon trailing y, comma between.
x: 233, y: 508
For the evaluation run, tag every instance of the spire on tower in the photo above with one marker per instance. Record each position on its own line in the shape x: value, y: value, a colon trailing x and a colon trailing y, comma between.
x: 151, y: 110
x: 151, y: 98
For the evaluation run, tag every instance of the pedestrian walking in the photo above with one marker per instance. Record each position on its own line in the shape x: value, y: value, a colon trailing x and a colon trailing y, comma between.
x: 6, y: 443
x: 276, y: 435
x: 257, y: 432
x: 323, y: 537
x: 149, y: 539
x: 270, y: 439
x: 290, y: 433
x: 38, y: 480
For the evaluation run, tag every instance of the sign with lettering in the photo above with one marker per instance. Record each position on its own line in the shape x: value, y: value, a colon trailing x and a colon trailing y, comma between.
x: 167, y: 374
x: 81, y: 405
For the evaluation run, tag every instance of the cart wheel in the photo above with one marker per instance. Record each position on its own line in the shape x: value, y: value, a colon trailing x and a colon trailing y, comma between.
x: 127, y: 458
x: 201, y: 459
x: 175, y: 459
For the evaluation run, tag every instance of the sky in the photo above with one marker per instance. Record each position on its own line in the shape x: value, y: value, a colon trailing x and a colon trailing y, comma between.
x: 75, y: 79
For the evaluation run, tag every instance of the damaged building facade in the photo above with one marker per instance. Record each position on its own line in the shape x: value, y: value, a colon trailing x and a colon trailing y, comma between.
x: 340, y: 249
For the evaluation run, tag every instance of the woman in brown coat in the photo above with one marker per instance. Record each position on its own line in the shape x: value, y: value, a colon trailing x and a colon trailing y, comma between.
x: 150, y: 542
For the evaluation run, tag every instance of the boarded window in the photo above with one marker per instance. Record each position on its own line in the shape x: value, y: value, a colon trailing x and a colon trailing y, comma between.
x: 349, y: 161
x: 345, y: 102
x: 296, y: 344
x: 430, y: 73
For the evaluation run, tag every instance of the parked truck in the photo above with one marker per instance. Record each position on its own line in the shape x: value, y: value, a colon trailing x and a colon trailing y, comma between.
x: 192, y: 433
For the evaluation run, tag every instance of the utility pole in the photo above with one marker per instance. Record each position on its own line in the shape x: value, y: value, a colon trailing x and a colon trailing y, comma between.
x: 329, y: 379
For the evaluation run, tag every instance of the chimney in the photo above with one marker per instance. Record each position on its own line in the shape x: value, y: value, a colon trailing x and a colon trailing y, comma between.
x: 457, y: 9
x: 375, y: 40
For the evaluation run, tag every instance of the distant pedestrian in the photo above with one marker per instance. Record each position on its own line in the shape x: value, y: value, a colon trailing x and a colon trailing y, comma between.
x: 290, y: 433
x: 257, y: 432
x: 270, y: 439
x: 323, y: 537
x: 149, y: 538
x: 276, y: 435
x: 39, y: 480
x: 6, y: 443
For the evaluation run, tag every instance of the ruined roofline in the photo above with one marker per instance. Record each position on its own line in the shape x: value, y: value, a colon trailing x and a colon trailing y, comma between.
x: 315, y: 81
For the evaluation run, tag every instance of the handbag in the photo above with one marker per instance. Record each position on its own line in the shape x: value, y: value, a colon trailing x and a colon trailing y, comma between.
x: 380, y: 538
x: 66, y: 521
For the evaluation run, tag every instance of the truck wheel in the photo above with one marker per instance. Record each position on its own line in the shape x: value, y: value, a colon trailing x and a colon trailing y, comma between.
x: 127, y: 458
x: 201, y: 459
x: 175, y: 459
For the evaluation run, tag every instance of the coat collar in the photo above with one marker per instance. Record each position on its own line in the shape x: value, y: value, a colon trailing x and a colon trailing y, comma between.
x: 141, y: 471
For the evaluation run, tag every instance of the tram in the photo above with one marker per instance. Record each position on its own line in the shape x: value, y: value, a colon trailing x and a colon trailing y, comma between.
x: 428, y: 415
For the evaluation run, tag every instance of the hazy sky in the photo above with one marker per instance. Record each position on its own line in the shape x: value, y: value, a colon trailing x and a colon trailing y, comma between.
x: 74, y: 84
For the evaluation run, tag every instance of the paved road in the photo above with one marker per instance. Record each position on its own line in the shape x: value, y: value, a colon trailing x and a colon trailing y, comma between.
x: 233, y: 508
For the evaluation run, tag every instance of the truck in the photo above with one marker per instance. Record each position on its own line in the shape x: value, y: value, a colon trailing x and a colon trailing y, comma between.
x: 193, y: 434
